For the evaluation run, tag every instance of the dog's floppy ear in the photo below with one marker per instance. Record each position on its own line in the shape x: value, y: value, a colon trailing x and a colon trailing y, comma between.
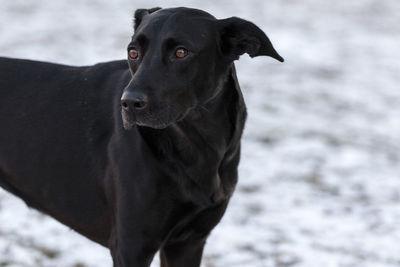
x: 140, y: 13
x: 240, y: 36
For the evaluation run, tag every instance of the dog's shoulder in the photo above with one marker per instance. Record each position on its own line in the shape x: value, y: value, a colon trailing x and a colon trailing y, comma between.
x: 104, y: 68
x: 109, y: 65
x: 105, y: 75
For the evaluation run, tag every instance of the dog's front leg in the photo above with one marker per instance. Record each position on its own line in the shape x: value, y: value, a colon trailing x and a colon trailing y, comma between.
x: 185, y: 247
x: 136, y: 231
x: 132, y: 245
x: 183, y: 254
x: 129, y: 253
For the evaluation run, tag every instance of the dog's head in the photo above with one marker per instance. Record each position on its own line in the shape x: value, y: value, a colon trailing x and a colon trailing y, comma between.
x: 179, y: 58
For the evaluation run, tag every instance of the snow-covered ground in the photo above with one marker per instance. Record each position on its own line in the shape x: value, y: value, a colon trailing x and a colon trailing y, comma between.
x: 320, y: 172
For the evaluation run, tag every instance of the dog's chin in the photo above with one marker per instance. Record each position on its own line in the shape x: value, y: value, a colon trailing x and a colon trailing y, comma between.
x: 128, y: 121
x: 127, y: 124
x: 158, y: 126
x: 151, y: 121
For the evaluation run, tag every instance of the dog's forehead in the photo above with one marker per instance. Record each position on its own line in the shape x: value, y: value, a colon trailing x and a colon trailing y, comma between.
x: 182, y: 22
x: 181, y: 13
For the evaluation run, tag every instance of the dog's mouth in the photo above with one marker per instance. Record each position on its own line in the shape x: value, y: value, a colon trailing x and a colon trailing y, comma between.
x: 159, y: 117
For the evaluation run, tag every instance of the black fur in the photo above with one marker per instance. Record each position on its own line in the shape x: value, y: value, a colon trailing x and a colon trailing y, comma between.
x: 160, y: 176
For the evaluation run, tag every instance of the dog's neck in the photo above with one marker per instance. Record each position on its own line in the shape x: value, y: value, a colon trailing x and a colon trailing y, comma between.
x: 195, y: 148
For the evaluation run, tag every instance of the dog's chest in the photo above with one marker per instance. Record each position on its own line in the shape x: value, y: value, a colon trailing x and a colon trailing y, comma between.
x: 194, y: 165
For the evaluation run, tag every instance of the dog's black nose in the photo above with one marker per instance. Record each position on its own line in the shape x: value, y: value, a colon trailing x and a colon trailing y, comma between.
x: 133, y: 100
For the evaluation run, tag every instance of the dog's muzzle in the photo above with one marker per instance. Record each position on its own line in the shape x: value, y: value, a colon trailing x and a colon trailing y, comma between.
x: 137, y: 109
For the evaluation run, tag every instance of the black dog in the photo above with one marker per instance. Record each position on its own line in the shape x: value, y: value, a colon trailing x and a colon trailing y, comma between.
x: 160, y: 176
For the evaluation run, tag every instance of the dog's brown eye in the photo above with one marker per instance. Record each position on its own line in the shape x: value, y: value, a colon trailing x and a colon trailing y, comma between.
x: 181, y: 52
x: 133, y: 53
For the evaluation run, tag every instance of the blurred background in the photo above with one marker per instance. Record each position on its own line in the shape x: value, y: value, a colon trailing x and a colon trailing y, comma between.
x: 320, y: 172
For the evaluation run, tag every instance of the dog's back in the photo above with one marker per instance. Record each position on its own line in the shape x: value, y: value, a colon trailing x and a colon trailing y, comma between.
x: 55, y: 123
